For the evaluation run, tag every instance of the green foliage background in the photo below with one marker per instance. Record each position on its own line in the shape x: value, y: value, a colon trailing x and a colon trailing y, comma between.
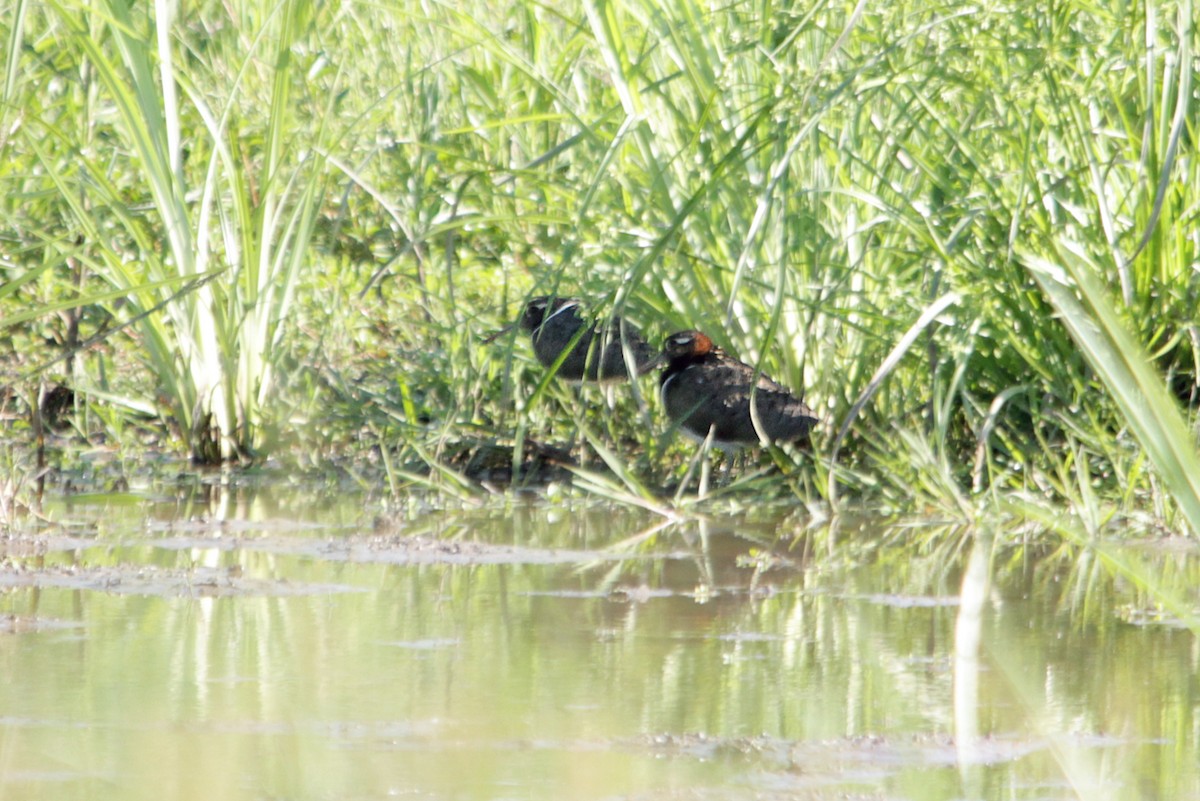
x: 850, y: 195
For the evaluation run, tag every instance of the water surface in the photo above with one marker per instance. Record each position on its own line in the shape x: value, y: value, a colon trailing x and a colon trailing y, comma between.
x: 270, y: 643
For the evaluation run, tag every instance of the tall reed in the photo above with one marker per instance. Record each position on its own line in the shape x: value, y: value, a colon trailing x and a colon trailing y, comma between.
x: 835, y: 192
x: 196, y: 174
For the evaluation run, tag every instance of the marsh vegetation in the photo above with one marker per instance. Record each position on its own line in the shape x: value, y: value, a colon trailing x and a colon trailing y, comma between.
x: 278, y: 238
x: 967, y: 235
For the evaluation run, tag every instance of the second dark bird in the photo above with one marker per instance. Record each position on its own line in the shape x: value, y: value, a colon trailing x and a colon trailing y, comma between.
x: 705, y: 389
x: 553, y: 324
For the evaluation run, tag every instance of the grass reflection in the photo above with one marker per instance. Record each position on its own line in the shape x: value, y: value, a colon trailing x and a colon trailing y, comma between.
x: 537, y: 652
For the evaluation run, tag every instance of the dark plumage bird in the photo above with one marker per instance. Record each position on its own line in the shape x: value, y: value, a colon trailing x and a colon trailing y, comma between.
x: 596, y: 354
x: 705, y: 389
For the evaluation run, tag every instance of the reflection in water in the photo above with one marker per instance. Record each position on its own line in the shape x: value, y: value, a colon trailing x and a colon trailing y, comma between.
x: 968, y: 636
x: 589, y: 653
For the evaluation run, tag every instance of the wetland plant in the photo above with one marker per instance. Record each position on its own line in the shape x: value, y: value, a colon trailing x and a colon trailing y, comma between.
x: 967, y: 233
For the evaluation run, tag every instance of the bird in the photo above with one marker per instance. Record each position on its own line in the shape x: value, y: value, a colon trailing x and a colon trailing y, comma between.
x: 595, y: 351
x: 705, y: 390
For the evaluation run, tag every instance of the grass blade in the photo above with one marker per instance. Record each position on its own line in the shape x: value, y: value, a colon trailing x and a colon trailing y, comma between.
x: 1152, y: 414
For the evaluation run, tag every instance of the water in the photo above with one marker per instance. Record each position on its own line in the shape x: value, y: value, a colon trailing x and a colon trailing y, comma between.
x: 265, y: 643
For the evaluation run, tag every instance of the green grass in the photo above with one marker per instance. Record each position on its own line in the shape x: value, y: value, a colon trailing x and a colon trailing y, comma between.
x: 853, y: 198
x: 173, y: 195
